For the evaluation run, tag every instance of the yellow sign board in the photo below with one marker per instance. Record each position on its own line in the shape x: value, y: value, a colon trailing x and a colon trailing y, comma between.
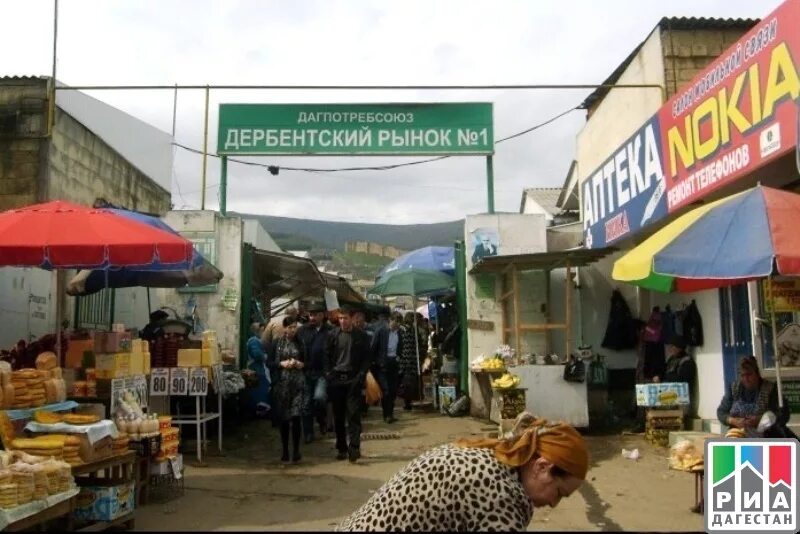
x: 782, y: 295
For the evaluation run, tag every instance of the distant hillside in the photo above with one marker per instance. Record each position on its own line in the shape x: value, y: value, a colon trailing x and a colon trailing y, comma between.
x: 304, y: 234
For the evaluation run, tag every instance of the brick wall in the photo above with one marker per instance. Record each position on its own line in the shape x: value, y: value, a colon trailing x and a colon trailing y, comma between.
x: 687, y: 52
x: 23, y: 148
x: 83, y: 168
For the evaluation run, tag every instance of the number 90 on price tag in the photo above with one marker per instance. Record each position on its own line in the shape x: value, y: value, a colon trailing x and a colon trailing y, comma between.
x: 178, y: 381
x: 159, y: 382
x: 198, y: 382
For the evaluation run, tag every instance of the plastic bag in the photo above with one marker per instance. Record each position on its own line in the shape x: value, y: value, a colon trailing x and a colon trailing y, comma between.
x: 321, y: 390
x: 575, y: 371
x: 373, y: 390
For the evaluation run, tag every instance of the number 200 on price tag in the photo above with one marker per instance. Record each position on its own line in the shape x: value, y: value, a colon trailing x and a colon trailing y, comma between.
x: 198, y: 382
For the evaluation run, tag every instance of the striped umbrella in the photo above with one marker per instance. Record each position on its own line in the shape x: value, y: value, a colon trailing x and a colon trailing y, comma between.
x: 743, y: 237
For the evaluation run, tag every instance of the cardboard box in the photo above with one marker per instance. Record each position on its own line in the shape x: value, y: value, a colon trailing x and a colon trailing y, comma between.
x: 75, y: 350
x: 137, y: 363
x: 447, y: 395
x: 111, y: 342
x: 97, y: 451
x: 210, y: 356
x: 146, y: 363
x: 105, y: 503
x: 190, y: 357
x: 116, y: 365
x: 665, y: 394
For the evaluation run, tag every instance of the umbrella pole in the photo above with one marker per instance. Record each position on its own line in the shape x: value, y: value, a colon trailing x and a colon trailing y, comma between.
x: 59, y: 311
x: 775, y: 352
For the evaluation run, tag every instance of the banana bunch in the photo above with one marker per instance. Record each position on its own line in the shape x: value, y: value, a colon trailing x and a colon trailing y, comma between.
x: 737, y: 433
x: 493, y: 364
x: 506, y: 381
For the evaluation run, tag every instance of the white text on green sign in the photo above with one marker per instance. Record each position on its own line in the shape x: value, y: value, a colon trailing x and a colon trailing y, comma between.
x: 353, y: 129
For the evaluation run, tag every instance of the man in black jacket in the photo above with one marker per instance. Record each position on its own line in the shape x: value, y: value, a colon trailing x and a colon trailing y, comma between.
x: 349, y: 358
x: 314, y: 336
x: 388, y: 347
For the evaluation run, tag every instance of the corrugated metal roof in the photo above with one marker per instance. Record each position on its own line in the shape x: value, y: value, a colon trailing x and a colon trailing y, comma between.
x: 666, y: 23
x: 546, y: 197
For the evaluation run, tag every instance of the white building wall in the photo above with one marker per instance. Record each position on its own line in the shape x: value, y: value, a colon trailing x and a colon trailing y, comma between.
x: 27, y: 306
x: 709, y: 356
x: 531, y: 207
x: 518, y: 234
x: 228, y: 234
x: 622, y: 111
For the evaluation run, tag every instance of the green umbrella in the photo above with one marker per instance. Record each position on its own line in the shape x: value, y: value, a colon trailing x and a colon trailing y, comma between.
x: 413, y: 282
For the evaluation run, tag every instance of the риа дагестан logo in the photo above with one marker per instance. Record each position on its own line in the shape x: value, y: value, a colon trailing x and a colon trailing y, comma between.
x: 751, y: 485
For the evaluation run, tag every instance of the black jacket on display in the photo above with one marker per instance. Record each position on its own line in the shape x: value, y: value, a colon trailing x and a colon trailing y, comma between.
x: 621, y: 330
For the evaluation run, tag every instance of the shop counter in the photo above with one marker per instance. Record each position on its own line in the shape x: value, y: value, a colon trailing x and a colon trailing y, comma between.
x: 551, y: 397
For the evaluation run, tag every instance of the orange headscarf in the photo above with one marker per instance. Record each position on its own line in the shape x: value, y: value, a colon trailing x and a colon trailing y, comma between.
x: 558, y: 443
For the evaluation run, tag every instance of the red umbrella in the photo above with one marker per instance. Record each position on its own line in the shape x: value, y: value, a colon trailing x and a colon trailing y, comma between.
x: 60, y: 234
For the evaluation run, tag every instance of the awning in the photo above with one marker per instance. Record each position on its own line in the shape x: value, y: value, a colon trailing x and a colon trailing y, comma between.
x: 344, y: 291
x: 276, y: 274
x: 542, y: 261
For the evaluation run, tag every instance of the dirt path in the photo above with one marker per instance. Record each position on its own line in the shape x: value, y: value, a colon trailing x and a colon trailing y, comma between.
x: 249, y: 489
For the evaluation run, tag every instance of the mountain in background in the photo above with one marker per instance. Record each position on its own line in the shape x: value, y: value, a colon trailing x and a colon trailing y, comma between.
x: 305, y: 234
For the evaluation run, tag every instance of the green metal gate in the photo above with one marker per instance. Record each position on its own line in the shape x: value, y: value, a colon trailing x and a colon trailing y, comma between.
x: 96, y: 311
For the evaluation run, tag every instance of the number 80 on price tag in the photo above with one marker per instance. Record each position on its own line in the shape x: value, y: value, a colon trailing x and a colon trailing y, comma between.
x: 159, y: 382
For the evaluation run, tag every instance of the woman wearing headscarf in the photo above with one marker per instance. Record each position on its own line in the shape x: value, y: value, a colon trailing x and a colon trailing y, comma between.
x: 480, y: 485
x: 408, y: 364
x: 749, y: 398
x: 287, y: 361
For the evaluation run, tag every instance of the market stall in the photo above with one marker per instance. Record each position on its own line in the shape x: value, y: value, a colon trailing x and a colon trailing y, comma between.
x: 526, y: 333
x: 45, y: 439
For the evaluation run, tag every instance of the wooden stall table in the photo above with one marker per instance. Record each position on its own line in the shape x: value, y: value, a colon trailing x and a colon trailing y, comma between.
x: 699, y: 494
x: 119, y: 469
x: 37, y: 513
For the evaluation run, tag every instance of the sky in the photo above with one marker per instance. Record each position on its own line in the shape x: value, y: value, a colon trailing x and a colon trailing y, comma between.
x: 348, y: 42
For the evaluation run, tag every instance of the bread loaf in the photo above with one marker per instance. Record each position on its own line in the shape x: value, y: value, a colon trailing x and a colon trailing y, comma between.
x: 46, y: 361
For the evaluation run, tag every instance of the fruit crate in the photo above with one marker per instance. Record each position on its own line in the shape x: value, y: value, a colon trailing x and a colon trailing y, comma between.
x: 509, y: 402
x: 659, y: 423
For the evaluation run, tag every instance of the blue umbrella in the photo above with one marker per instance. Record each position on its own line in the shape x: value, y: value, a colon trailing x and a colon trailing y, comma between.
x: 200, y: 271
x: 442, y: 259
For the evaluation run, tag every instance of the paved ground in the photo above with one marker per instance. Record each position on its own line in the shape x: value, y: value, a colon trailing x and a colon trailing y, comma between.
x: 249, y: 489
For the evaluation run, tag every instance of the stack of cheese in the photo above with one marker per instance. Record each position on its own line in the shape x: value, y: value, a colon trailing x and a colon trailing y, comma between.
x: 8, y: 493
x: 41, y: 485
x: 72, y: 450
x: 23, y: 478
x: 120, y: 444
x: 29, y: 389
x: 47, y: 445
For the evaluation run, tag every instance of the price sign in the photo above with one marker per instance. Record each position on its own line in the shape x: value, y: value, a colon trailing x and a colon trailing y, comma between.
x: 178, y: 381
x: 159, y: 382
x: 198, y: 382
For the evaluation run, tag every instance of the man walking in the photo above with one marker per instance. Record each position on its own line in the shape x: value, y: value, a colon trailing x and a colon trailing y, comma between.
x: 349, y: 359
x: 388, y: 346
x: 314, y: 336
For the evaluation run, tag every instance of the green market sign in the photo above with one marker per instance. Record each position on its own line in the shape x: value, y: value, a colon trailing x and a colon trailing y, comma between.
x: 356, y: 129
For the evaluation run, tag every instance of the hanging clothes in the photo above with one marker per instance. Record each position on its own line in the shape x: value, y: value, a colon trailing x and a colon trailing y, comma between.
x: 653, y: 329
x: 667, y: 324
x: 693, y: 326
x: 621, y: 330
